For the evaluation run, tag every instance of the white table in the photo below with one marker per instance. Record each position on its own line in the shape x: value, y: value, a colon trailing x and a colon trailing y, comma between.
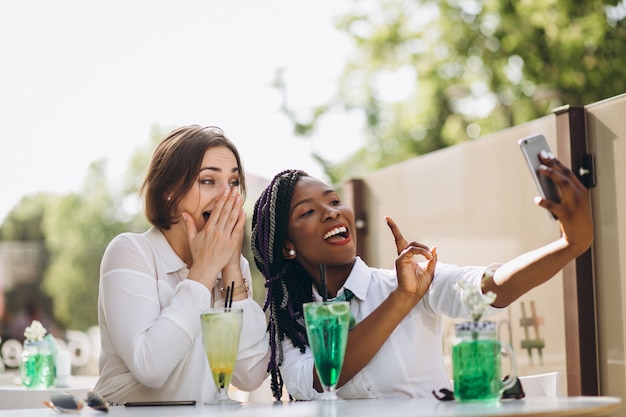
x: 425, y: 407
x: 14, y: 396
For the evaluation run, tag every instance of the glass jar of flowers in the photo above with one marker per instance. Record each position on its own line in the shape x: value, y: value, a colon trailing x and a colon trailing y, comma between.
x: 476, y: 354
x: 37, y: 368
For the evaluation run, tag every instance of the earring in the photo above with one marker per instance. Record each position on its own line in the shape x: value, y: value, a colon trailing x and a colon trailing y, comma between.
x: 169, y: 198
x: 292, y: 252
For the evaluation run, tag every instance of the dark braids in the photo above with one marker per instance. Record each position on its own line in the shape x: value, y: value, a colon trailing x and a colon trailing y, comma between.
x: 288, y: 285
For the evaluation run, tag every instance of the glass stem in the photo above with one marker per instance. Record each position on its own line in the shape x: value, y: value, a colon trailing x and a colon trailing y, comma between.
x: 222, y: 394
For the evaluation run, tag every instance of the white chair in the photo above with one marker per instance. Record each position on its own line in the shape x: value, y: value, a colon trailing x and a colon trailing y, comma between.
x: 542, y: 385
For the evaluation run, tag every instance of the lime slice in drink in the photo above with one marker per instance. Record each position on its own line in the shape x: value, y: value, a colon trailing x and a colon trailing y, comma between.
x: 312, y: 310
x: 338, y: 309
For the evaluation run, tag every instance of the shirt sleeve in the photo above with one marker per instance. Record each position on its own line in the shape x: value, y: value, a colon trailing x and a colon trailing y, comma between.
x: 297, y: 371
x: 443, y: 298
x: 151, y: 340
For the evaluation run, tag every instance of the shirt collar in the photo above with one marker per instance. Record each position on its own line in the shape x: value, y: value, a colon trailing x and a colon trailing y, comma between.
x: 171, y: 261
x: 357, y: 281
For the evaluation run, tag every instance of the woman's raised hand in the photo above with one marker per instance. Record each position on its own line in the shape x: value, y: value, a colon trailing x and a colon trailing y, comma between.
x: 219, y: 242
x: 574, y: 209
x: 413, y: 279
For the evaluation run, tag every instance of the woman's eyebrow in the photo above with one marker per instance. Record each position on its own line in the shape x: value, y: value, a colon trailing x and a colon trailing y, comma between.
x: 218, y: 169
x: 307, y: 200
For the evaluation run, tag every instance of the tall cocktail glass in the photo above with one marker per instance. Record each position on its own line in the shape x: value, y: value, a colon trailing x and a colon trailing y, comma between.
x: 327, y: 325
x: 221, y: 329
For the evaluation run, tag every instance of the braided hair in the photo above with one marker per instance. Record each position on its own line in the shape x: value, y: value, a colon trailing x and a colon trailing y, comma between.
x: 288, y: 284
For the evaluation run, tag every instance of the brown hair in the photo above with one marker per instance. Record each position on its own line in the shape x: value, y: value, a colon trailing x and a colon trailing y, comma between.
x: 174, y: 168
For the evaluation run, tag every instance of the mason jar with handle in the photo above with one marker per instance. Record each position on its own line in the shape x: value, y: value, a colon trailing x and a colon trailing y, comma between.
x: 477, y: 363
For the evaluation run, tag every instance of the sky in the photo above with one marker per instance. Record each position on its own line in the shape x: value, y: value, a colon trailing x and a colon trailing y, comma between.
x: 85, y: 80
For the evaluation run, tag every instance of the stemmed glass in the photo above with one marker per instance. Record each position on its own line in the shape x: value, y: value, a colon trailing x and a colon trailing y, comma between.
x: 221, y: 329
x: 327, y: 325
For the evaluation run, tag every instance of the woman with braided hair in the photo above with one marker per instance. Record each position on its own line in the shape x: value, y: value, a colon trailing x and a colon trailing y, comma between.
x: 395, y: 348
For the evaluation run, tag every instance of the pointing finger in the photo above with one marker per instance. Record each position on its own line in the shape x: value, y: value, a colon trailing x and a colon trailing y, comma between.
x: 401, y: 242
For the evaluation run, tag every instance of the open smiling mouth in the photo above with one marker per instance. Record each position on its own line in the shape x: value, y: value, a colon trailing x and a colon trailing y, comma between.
x: 337, y: 234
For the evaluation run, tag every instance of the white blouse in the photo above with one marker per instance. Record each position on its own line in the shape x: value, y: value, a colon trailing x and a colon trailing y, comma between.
x: 149, y: 319
x: 410, y: 363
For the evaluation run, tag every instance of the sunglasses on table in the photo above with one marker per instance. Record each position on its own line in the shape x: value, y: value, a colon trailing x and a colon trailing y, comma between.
x: 64, y: 403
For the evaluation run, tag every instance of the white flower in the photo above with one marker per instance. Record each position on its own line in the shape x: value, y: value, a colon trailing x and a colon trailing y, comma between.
x: 474, y: 298
x: 35, y: 332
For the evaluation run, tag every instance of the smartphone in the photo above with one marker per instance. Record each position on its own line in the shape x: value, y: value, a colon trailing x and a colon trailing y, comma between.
x: 158, y: 403
x: 531, y: 148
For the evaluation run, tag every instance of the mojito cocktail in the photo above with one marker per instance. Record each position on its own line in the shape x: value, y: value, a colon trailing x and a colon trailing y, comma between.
x: 327, y: 325
x: 221, y: 328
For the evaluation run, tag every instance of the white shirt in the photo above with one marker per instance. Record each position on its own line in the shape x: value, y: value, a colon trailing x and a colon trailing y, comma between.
x: 410, y: 362
x: 149, y: 318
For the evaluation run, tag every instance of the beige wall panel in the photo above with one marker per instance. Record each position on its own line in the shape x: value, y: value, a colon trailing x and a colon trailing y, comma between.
x: 606, y: 129
x: 475, y: 202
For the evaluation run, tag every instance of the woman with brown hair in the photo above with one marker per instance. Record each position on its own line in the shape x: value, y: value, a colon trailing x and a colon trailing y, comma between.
x: 153, y: 285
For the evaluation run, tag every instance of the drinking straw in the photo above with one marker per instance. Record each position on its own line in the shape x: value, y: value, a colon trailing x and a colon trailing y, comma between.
x: 323, y: 278
x: 226, y: 297
x: 232, y: 291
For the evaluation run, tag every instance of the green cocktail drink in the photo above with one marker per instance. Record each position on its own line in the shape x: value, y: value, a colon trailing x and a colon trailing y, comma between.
x: 327, y: 325
x: 479, y: 378
x: 221, y: 329
x: 476, y: 363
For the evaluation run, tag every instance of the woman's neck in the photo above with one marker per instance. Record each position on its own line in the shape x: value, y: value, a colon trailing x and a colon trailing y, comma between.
x: 336, y: 276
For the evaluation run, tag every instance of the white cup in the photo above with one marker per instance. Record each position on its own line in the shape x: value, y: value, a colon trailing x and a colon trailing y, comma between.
x: 64, y: 369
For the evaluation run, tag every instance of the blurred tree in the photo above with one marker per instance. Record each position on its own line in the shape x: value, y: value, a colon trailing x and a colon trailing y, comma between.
x: 77, y: 228
x: 73, y: 231
x: 23, y: 223
x: 429, y: 74
x: 25, y: 257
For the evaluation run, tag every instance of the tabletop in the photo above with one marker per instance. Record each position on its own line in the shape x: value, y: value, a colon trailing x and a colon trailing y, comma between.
x: 13, y: 395
x: 528, y: 407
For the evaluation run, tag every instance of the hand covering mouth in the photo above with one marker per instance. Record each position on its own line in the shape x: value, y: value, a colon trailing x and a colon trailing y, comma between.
x: 337, y: 233
x: 206, y: 215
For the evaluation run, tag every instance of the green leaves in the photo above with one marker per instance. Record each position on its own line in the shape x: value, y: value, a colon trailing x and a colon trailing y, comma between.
x: 481, y: 66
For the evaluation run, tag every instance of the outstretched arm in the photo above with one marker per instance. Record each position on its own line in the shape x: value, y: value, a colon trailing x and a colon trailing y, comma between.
x: 521, y: 274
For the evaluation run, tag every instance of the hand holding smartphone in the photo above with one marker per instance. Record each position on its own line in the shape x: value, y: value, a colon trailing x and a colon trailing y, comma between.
x: 531, y: 147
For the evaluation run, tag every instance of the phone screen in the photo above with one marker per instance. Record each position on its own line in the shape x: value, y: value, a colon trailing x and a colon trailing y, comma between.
x: 531, y: 148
